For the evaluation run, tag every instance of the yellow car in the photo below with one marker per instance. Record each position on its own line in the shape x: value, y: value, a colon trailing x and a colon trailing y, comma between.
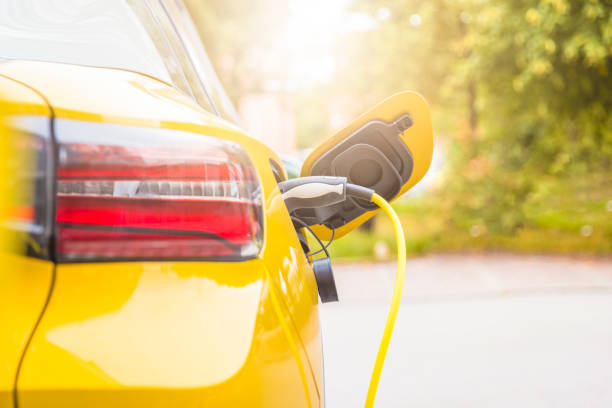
x: 151, y: 253
x: 151, y: 225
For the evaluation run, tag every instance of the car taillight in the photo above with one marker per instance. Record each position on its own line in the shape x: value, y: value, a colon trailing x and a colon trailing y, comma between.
x: 131, y: 194
x: 29, y: 184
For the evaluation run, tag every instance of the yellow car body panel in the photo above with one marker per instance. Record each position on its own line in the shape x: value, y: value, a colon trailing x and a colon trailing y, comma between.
x: 169, y: 333
x: 158, y: 335
x: 24, y: 287
x: 24, y: 281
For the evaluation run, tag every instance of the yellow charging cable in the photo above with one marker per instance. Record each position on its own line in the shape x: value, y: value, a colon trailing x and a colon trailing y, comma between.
x: 394, y: 309
x: 395, y: 299
x: 287, y: 330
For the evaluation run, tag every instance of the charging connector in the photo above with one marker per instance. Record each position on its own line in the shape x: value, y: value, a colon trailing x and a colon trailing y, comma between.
x: 320, y: 191
x: 312, y: 192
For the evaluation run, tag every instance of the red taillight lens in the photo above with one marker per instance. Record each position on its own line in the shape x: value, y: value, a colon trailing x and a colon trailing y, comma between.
x: 173, y: 196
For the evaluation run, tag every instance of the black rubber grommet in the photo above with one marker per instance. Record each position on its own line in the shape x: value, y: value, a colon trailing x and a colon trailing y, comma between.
x: 325, y: 280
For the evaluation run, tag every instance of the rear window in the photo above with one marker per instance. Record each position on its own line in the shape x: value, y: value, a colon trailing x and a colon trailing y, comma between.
x: 102, y: 33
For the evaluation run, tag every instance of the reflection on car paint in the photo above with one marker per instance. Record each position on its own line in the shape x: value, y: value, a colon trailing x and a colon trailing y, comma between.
x: 172, y: 326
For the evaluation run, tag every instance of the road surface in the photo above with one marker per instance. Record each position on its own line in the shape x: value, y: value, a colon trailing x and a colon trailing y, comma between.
x: 474, y: 331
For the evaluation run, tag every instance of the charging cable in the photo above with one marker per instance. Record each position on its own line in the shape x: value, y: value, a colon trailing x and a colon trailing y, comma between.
x: 312, y: 192
x: 395, y: 299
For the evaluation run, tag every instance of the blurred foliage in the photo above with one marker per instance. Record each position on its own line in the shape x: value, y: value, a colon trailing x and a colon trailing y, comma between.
x: 573, y: 218
x: 529, y: 86
x: 521, y: 94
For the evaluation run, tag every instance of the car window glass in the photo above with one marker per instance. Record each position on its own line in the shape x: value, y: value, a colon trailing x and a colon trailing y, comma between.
x: 102, y: 33
x: 162, y: 44
x: 201, y: 61
x: 181, y: 54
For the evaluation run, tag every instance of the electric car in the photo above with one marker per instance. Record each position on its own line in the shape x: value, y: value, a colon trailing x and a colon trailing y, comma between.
x: 151, y: 253
x: 147, y: 222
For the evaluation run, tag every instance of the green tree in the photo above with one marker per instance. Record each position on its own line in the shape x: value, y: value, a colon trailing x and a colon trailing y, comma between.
x: 520, y: 92
x: 544, y: 96
x: 524, y: 86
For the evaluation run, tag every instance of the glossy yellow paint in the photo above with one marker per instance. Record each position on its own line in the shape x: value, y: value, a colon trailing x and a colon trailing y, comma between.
x: 418, y: 138
x: 288, y: 265
x: 169, y: 333
x: 24, y: 282
x: 24, y: 286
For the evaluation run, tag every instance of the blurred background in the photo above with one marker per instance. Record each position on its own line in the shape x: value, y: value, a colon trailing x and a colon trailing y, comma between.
x: 508, y: 299
x: 520, y: 93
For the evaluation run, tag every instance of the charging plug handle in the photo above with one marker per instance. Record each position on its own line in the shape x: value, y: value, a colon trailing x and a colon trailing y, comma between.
x: 313, y: 192
x: 320, y: 191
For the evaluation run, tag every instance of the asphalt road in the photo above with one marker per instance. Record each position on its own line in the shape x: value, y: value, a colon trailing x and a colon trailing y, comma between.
x: 474, y: 331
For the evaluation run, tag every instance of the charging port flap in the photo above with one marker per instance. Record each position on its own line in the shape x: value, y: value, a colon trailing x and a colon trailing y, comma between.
x: 387, y: 149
